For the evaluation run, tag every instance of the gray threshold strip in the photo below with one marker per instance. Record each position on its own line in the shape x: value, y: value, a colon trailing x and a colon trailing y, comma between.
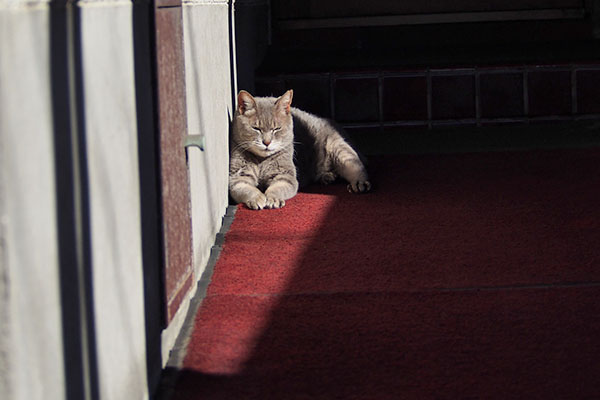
x: 177, y: 355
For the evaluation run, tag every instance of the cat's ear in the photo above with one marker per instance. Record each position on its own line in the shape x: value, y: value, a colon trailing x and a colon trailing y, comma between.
x: 284, y: 103
x: 246, y: 102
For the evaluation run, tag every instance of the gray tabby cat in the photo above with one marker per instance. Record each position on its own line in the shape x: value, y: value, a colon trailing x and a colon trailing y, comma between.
x: 276, y: 148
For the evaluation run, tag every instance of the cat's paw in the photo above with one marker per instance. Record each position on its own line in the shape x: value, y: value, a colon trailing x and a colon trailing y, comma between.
x: 274, y: 202
x: 359, y: 187
x: 258, y: 202
x: 327, y: 178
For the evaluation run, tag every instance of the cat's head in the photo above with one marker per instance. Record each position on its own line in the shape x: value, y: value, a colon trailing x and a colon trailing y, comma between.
x: 263, y: 125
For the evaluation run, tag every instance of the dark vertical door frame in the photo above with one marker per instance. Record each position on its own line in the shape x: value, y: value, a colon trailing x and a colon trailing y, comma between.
x: 144, y: 49
x: 72, y: 202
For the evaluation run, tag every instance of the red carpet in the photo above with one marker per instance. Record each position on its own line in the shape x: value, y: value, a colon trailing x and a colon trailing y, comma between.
x: 464, y: 276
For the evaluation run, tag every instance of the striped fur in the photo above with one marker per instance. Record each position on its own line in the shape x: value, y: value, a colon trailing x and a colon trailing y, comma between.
x: 276, y: 148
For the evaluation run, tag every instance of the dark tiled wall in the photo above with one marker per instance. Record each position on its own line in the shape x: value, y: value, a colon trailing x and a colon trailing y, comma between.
x: 587, y: 94
x: 549, y: 93
x: 501, y: 95
x: 452, y: 96
x: 405, y: 98
x: 441, y: 97
x: 356, y: 99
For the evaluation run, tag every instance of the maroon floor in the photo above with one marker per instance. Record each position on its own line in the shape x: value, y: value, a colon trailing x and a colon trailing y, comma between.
x: 465, y: 276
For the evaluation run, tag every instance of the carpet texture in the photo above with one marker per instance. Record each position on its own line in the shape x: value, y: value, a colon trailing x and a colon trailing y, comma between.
x: 463, y: 276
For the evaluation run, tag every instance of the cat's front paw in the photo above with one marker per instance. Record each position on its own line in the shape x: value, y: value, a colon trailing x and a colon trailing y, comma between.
x: 359, y: 187
x: 258, y: 202
x: 274, y: 202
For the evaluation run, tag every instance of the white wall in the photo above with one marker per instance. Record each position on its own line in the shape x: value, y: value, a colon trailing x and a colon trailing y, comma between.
x: 31, y: 347
x: 208, y: 84
x: 31, y: 365
x: 209, y: 109
x: 111, y: 139
x: 31, y: 336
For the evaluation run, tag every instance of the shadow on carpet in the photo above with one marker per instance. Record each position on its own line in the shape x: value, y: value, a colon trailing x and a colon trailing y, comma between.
x: 459, y: 276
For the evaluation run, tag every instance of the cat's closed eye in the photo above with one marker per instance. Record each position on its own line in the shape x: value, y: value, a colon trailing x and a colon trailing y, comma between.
x: 256, y: 128
x: 276, y: 129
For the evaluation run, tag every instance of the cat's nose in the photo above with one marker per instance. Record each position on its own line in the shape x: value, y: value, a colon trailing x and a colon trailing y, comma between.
x: 266, y: 142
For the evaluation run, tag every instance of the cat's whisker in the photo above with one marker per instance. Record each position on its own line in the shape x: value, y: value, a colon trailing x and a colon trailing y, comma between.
x: 243, y: 146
